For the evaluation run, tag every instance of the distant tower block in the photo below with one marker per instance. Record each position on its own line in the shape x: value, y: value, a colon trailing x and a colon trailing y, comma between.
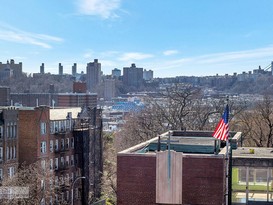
x: 61, y: 69
x: 116, y: 73
x: 74, y: 69
x: 93, y: 75
x: 42, y: 68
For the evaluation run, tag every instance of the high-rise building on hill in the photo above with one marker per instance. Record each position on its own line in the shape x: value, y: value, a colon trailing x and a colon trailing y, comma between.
x: 10, y: 69
x: 133, y: 76
x: 93, y: 75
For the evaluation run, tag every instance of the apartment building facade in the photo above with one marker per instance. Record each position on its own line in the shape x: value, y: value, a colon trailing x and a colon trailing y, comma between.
x: 54, y: 137
x: 8, y: 142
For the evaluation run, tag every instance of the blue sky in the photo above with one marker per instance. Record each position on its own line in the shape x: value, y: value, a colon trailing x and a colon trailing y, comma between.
x: 171, y: 37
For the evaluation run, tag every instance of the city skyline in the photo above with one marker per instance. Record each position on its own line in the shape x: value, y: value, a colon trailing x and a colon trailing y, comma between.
x: 172, y: 38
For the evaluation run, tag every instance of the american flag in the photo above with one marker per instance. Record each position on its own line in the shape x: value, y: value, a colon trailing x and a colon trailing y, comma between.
x: 222, y: 130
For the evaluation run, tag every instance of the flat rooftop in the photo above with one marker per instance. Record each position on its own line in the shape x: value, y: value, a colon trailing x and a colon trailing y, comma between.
x: 252, y: 152
x: 188, y: 142
x: 252, y: 157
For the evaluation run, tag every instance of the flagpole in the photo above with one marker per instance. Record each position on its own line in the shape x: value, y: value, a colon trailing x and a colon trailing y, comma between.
x: 227, y: 165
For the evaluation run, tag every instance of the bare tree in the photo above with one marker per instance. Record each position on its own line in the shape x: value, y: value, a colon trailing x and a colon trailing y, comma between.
x: 257, y: 124
x: 109, y: 187
x: 38, y: 179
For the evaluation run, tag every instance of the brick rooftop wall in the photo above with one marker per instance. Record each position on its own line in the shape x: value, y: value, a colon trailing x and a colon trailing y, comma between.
x: 203, y: 180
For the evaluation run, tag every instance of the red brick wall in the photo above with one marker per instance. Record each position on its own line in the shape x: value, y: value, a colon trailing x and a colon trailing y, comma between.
x: 203, y: 179
x: 136, y: 179
x: 27, y: 133
x: 79, y: 87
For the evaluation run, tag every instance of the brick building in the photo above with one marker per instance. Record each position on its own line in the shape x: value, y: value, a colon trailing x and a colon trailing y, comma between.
x: 54, y: 99
x: 79, y: 87
x: 193, y: 172
x: 55, y: 137
x: 8, y: 142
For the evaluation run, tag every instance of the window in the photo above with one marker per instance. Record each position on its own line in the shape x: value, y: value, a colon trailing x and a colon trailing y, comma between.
x: 43, y: 128
x: 67, y: 161
x: 11, y: 130
x: 1, y: 153
x: 67, y: 179
x: 7, y: 151
x: 51, y: 164
x: 62, y: 144
x: 72, y: 177
x: 72, y: 160
x: 1, y: 132
x: 10, y: 153
x: 51, y: 184
x: 56, y: 164
x: 62, y: 161
x: 7, y: 130
x: 11, y: 172
x: 43, y: 184
x: 52, y: 127
x: 15, y: 130
x: 43, y: 165
x: 56, y: 145
x: 51, y: 145
x: 1, y: 174
x: 56, y: 125
x: 14, y: 152
x: 43, y: 147
x: 67, y: 143
x: 72, y: 142
x: 68, y: 125
x: 62, y: 125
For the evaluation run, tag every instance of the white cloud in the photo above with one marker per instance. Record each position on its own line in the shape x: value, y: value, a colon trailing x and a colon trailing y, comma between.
x: 88, y: 54
x: 210, y: 64
x: 103, y: 8
x: 170, y: 52
x: 9, y: 33
x: 134, y: 56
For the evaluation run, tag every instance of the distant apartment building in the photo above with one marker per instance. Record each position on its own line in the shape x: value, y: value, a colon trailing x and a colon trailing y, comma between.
x: 76, y: 99
x: 93, y: 75
x: 10, y: 69
x: 79, y: 87
x: 109, y: 89
x: 148, y: 74
x: 54, y: 99
x: 116, y: 73
x: 42, y: 69
x: 4, y: 96
x: 61, y: 69
x: 63, y: 140
x: 132, y: 76
x: 8, y: 142
x: 74, y: 69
